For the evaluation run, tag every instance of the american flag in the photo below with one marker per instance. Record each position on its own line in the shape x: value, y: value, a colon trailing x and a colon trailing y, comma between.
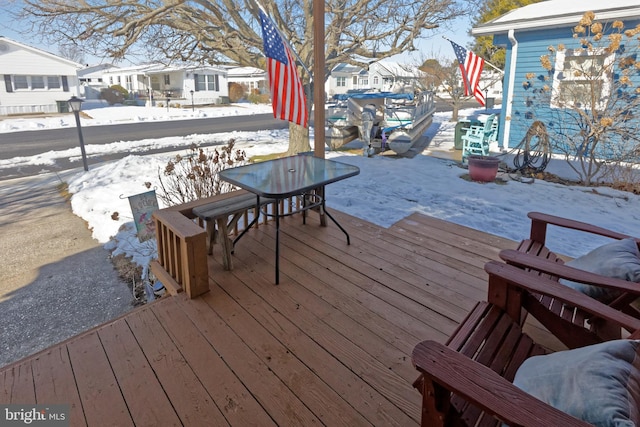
x: 287, y: 92
x: 471, y: 67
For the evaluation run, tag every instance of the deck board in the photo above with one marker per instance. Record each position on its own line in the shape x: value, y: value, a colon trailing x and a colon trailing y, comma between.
x: 53, y: 376
x: 98, y: 388
x: 330, y: 345
x: 147, y: 402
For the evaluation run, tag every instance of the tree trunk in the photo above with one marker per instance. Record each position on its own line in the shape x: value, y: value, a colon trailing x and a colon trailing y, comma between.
x: 298, y: 139
x: 454, y: 114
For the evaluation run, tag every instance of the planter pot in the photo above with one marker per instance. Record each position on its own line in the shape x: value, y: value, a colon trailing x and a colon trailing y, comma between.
x: 483, y: 168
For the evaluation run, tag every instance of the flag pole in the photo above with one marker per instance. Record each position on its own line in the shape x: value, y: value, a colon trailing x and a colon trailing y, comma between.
x: 485, y: 61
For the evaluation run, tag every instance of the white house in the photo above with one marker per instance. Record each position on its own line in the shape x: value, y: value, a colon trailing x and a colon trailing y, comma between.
x: 382, y: 75
x: 91, y: 80
x: 386, y: 75
x: 249, y: 77
x: 35, y: 81
x: 149, y: 83
x: 346, y: 77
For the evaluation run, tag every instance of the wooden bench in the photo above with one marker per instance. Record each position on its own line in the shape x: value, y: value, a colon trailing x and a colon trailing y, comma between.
x: 222, y: 215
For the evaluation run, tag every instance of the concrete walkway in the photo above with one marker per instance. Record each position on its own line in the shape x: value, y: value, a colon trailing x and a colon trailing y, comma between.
x: 55, y: 279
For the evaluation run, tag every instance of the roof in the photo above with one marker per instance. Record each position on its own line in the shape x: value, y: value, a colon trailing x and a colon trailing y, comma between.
x: 69, y: 62
x: 245, y: 71
x: 558, y: 13
x: 347, y: 69
x: 399, y: 70
x: 160, y: 69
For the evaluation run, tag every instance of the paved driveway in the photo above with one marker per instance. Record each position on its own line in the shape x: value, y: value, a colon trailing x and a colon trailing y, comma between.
x: 55, y: 279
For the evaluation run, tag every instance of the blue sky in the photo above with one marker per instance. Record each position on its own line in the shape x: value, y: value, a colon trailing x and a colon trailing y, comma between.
x: 434, y: 47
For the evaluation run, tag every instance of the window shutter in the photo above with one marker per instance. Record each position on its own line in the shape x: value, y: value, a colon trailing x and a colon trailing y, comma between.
x: 65, y: 84
x: 7, y: 83
x: 195, y: 82
x: 217, y: 88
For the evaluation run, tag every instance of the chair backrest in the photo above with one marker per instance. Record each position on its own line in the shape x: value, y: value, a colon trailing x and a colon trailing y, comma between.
x: 488, y: 125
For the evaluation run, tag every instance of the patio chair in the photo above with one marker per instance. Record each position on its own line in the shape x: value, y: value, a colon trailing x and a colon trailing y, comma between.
x: 607, y: 273
x: 468, y: 381
x: 477, y: 137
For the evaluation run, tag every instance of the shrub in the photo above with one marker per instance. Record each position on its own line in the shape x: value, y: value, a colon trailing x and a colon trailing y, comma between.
x: 195, y: 176
x: 115, y: 94
x: 256, y: 98
x: 236, y: 92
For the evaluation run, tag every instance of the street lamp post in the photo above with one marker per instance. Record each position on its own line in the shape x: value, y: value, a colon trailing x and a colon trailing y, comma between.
x: 75, y: 104
x: 192, y: 107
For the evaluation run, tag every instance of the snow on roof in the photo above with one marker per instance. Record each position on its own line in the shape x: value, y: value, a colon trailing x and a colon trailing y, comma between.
x: 244, y: 71
x: 400, y: 70
x: 343, y: 67
x: 157, y: 68
x: 558, y: 13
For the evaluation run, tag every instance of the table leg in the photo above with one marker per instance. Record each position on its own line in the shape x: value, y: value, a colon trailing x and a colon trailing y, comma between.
x: 256, y: 217
x: 336, y: 222
x: 323, y: 220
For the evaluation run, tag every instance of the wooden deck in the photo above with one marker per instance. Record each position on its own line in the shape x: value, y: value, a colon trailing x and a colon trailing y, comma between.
x: 330, y: 345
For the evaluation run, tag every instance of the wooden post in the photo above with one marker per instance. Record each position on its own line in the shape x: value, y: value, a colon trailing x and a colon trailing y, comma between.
x: 318, y: 78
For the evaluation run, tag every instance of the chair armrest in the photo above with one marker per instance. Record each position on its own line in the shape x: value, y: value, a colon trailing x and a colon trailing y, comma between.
x: 484, y: 388
x: 503, y: 275
x: 539, y: 222
x: 525, y: 260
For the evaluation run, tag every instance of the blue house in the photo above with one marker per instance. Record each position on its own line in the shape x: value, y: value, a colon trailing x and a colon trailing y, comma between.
x: 527, y: 33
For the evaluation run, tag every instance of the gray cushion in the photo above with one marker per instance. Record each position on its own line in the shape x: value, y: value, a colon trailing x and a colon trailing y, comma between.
x: 619, y: 259
x: 599, y: 384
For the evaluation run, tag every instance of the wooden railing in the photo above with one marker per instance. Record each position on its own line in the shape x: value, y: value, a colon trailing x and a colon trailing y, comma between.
x: 182, y: 243
x: 182, y: 254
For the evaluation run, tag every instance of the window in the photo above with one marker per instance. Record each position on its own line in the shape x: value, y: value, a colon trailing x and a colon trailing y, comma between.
x: 210, y: 82
x: 20, y: 82
x: 355, y: 80
x: 580, y: 76
x: 129, y: 86
x: 167, y: 80
x: 37, y: 82
x: 375, y: 80
x: 341, y: 81
x: 364, y: 81
x: 53, y: 82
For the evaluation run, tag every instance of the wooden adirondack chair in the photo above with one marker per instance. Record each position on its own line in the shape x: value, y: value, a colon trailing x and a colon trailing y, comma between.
x: 468, y: 381
x: 565, y: 322
x: 476, y: 139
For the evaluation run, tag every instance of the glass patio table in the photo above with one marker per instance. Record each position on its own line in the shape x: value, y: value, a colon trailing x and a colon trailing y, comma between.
x: 290, y: 176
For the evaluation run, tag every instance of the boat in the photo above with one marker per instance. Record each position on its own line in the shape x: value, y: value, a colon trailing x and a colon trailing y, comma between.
x: 338, y: 130
x: 382, y: 120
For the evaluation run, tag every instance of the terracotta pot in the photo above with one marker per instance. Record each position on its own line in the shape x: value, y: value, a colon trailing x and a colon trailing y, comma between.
x: 483, y: 168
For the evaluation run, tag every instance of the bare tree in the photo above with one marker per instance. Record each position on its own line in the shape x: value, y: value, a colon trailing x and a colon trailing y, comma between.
x: 71, y: 51
x: 447, y: 79
x: 228, y: 31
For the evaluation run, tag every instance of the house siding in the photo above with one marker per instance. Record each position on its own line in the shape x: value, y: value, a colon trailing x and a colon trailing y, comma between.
x: 18, y: 60
x: 531, y: 46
